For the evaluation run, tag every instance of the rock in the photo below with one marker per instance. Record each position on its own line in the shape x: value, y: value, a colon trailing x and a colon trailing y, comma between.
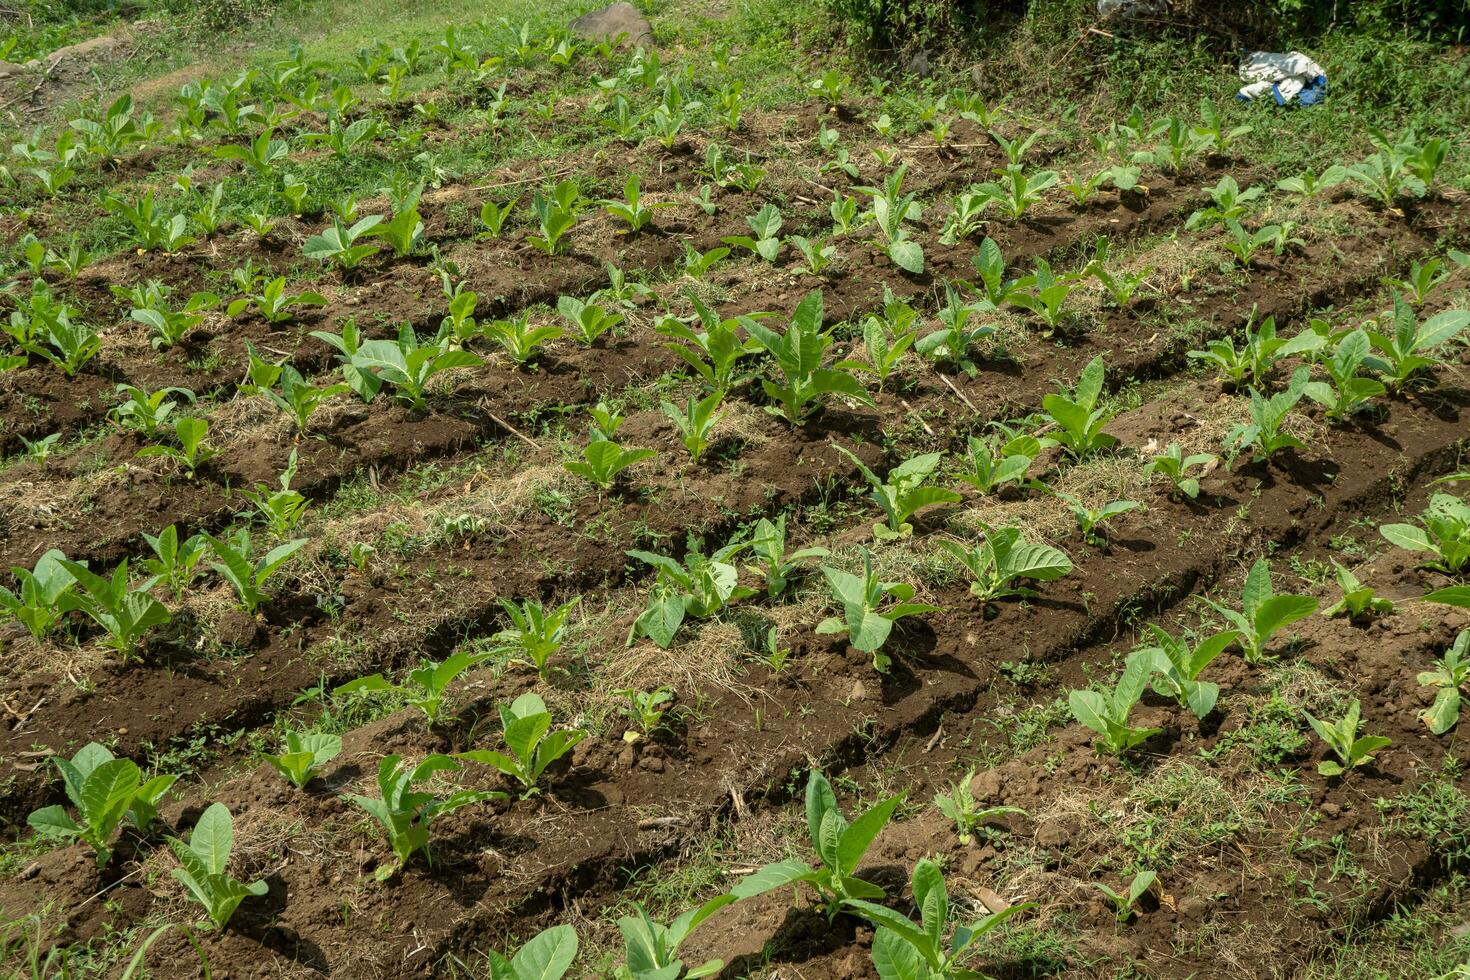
x: 920, y: 65
x: 651, y: 763
x: 92, y: 49
x: 8, y: 68
x: 1057, y: 832
x: 620, y: 22
x: 987, y: 786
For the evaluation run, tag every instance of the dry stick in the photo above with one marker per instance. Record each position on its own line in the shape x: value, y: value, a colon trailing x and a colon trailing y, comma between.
x: 37, y: 87
x: 523, y: 180
x: 510, y: 428
x: 960, y: 394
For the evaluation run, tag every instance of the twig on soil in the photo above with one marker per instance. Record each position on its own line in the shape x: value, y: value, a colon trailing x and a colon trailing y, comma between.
x: 522, y: 180
x: 933, y: 741
x: 35, y: 88
x: 508, y: 427
x: 916, y: 415
x: 656, y: 823
x: 959, y: 394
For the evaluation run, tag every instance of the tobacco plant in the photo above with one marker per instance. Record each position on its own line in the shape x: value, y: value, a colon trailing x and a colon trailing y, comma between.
x: 521, y: 342
x: 700, y: 587
x: 774, y: 564
x: 1177, y: 666
x: 424, y: 687
x: 1407, y: 348
x: 765, y: 225
x: 405, y: 813
x: 631, y: 209
x: 959, y: 804
x: 890, y: 209
x: 603, y: 461
x: 1346, y: 393
x: 695, y: 421
x: 535, y: 632
x: 886, y: 339
x: 248, y: 575
x: 1173, y: 465
x: 105, y: 791
x: 1126, y: 902
x: 651, y: 948
x: 1263, y: 434
x: 123, y: 609
x: 555, y: 211
x: 839, y: 847
x: 870, y: 607
x: 1078, y: 416
x: 408, y: 365
x: 990, y: 463
x: 902, y: 492
x: 1106, y: 712
x: 1358, y: 600
x: 169, y: 326
x: 547, y: 956
x: 1262, y: 612
x: 588, y: 320
x: 934, y: 947
x: 339, y: 243
x: 272, y: 303
x: 1089, y: 519
x: 175, y: 563
x: 303, y: 756
x: 1002, y: 559
x: 37, y: 603
x: 1352, y: 750
x: 204, y: 862
x: 799, y: 354
x: 1447, y: 678
x: 951, y: 343
x: 526, y: 728
x: 1444, y: 533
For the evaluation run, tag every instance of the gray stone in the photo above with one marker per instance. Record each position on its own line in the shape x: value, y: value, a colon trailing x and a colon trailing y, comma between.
x: 621, y: 22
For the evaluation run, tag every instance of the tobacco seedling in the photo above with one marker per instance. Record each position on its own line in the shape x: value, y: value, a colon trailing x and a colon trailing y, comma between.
x: 1347, y: 393
x: 493, y: 216
x: 556, y: 213
x: 535, y: 632
x: 204, y: 862
x: 1309, y: 184
x: 902, y: 492
x: 1448, y: 676
x: 175, y: 562
x: 1106, y: 712
x: 408, y: 365
x: 886, y: 339
x: 1262, y: 612
x: 406, y: 813
x: 1125, y: 904
x: 712, y: 351
x: 246, y: 574
x: 1423, y: 279
x: 521, y: 342
x: 260, y: 154
x: 1263, y: 434
x: 959, y: 805
x: 170, y: 326
x: 126, y: 611
x: 1445, y: 533
x: 1016, y: 191
x: 891, y: 208
x: 695, y: 421
x: 651, y: 948
x: 839, y: 846
x: 1045, y: 294
x: 1121, y: 286
x: 697, y: 263
x: 934, y: 947
x: 1213, y: 129
x: 951, y: 343
x: 339, y: 242
x: 990, y: 269
x: 1229, y: 204
x: 280, y: 510
x: 1352, y: 750
x: 870, y: 607
x: 588, y: 320
x: 773, y: 563
x: 526, y: 725
x: 990, y: 464
x: 37, y: 603
x: 817, y: 255
x: 548, y: 956
x: 104, y: 791
x: 304, y: 755
x: 799, y: 353
x: 1358, y: 600
x: 365, y: 383
x: 1177, y: 667
x: 1002, y: 559
x: 272, y: 303
x: 632, y: 209
x: 424, y: 687
x: 1175, y: 467
x: 646, y: 709
x: 603, y: 461
x: 1089, y: 519
x: 765, y: 224
x: 1407, y: 349
x: 699, y: 587
x: 298, y: 399
x: 1078, y: 416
